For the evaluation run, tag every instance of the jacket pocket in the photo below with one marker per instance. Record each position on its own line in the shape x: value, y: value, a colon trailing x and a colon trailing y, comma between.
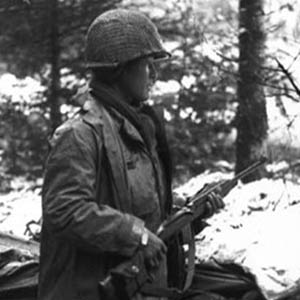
x: 142, y: 186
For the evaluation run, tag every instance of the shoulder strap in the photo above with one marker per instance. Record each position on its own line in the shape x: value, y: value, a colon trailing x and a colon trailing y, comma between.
x: 188, y: 238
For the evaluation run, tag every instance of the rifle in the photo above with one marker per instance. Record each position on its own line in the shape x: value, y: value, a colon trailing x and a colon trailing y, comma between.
x: 121, y: 283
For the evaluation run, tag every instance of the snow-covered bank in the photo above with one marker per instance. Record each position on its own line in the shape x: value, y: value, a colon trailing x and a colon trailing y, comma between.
x: 258, y: 229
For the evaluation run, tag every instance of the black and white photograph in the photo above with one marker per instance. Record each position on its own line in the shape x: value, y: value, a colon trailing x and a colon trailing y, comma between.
x: 149, y: 149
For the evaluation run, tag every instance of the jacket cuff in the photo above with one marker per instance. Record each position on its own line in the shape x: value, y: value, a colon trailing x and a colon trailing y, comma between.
x: 132, y: 234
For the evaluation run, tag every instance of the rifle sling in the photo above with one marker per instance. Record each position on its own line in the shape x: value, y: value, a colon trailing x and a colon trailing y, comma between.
x: 174, y: 293
x: 189, y: 238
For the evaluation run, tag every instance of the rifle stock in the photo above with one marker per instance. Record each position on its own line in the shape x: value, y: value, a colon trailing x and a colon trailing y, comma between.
x: 172, y: 226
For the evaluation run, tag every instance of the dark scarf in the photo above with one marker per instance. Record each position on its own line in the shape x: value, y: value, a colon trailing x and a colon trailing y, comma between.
x: 110, y: 99
x: 139, y: 118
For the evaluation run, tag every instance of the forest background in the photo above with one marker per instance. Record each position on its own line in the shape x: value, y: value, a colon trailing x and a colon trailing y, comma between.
x: 202, y: 88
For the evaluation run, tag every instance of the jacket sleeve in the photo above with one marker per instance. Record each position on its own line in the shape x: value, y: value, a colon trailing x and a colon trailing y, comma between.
x: 70, y: 210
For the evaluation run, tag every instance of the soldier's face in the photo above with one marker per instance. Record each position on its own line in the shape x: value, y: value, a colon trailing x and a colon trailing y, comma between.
x: 138, y: 78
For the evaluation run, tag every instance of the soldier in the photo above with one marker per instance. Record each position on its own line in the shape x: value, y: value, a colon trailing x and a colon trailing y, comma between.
x: 107, y: 183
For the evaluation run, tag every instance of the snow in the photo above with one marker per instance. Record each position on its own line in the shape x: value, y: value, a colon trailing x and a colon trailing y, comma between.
x: 20, y: 90
x: 284, y: 130
x: 188, y: 81
x: 257, y: 229
x: 20, y: 206
x: 170, y: 46
x: 166, y: 87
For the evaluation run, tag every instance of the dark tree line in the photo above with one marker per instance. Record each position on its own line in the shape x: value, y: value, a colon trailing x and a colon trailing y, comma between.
x: 40, y: 38
x: 39, y: 33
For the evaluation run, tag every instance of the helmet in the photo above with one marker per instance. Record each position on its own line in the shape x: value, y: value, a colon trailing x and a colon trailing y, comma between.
x: 118, y: 36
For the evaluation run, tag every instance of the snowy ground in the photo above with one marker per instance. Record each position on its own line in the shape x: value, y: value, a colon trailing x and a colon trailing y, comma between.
x: 258, y: 229
x: 20, y: 206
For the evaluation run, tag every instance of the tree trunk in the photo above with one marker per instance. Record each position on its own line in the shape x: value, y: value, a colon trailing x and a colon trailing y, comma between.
x: 53, y: 98
x: 251, y: 115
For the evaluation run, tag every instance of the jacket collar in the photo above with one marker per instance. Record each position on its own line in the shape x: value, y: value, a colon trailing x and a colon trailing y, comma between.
x: 93, y: 114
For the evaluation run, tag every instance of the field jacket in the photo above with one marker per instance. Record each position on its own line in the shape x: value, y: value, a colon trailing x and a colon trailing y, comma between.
x: 101, y: 186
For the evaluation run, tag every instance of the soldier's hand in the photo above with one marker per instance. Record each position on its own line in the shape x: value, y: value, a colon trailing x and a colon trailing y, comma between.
x: 154, y: 251
x: 214, y: 203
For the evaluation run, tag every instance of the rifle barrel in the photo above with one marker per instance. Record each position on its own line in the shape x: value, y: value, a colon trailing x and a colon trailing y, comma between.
x: 250, y: 169
x: 237, y: 177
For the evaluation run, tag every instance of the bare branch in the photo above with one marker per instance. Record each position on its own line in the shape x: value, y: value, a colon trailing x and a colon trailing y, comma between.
x: 289, y: 76
x: 294, y: 59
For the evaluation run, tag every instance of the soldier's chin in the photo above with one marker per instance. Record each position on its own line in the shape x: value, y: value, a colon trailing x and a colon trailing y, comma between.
x: 142, y: 97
